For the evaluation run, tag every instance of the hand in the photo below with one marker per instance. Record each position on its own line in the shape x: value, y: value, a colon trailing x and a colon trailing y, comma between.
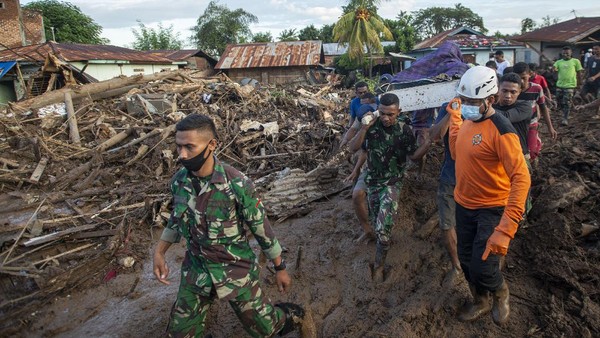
x: 352, y: 177
x: 553, y: 133
x: 161, y: 270
x: 372, y: 122
x: 283, y: 280
x: 454, y: 106
x: 497, y: 244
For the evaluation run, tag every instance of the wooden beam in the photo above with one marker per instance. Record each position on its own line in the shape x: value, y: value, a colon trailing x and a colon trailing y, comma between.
x: 56, y: 235
x: 39, y: 170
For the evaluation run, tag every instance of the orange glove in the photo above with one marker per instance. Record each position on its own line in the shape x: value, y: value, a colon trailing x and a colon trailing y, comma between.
x: 454, y: 106
x: 497, y: 244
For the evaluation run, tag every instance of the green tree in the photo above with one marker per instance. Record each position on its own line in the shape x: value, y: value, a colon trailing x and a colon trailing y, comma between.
x: 527, y: 25
x: 403, y: 32
x: 326, y: 33
x: 361, y: 28
x: 501, y: 35
x: 434, y: 20
x: 308, y: 33
x: 219, y: 26
x: 549, y: 21
x: 69, y: 22
x: 344, y: 64
x: 161, y: 38
x: 288, y: 35
x: 262, y: 37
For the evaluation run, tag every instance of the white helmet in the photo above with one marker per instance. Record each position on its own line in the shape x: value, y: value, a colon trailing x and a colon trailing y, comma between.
x: 478, y: 82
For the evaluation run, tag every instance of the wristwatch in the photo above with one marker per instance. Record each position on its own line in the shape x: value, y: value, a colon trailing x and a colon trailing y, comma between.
x: 279, y: 267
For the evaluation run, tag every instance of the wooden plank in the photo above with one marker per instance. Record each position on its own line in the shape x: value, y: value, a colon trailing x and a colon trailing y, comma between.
x: 73, y: 130
x: 56, y: 235
x: 39, y: 170
x: 94, y: 234
x: 9, y: 163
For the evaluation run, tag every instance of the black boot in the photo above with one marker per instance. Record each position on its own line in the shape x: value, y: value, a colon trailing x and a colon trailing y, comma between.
x: 379, y: 265
x: 294, y: 314
x: 480, y: 306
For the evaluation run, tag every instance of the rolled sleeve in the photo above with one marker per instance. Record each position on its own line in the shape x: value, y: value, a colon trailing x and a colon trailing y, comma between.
x: 170, y: 235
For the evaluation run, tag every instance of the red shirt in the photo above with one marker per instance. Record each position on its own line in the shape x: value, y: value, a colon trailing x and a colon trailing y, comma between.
x: 539, y: 80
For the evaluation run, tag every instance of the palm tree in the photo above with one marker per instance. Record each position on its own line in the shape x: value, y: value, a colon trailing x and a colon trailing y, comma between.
x: 288, y: 35
x: 361, y: 27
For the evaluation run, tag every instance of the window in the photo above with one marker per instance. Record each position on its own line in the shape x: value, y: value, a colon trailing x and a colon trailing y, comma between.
x: 1, y: 5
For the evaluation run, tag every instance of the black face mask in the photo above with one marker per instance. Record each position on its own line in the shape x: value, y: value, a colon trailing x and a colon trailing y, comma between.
x: 195, y: 163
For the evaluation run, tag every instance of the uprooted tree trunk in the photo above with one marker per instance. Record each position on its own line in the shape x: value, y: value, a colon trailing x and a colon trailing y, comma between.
x: 90, y: 89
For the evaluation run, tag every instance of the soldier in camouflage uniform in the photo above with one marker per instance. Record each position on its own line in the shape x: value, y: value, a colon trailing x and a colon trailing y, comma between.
x: 212, y: 202
x: 388, y: 141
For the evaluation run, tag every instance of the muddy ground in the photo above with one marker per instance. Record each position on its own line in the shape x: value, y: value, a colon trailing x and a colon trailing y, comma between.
x: 553, y: 273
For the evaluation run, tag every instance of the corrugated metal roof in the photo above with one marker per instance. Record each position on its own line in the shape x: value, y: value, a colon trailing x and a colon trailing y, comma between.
x: 79, y: 52
x: 181, y: 55
x: 334, y: 49
x: 272, y: 54
x: 464, y: 37
x: 571, y: 31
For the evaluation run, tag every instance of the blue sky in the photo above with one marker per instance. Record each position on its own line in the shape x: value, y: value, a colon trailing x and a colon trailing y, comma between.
x: 118, y: 17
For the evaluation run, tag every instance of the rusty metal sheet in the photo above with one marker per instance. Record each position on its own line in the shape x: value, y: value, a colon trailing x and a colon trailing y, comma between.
x: 272, y: 54
x: 567, y: 31
x: 79, y: 52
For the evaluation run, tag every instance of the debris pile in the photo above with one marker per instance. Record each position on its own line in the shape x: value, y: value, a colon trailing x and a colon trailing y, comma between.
x: 85, y: 170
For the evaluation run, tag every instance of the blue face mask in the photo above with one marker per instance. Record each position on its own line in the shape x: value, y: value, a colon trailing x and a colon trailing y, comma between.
x: 470, y: 112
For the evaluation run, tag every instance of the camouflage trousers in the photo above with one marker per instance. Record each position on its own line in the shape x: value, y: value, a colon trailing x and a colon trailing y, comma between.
x: 383, y: 209
x: 254, y: 310
x: 564, y: 97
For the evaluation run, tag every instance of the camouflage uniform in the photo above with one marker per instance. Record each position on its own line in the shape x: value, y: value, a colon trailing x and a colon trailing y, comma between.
x: 210, y: 214
x: 387, y: 149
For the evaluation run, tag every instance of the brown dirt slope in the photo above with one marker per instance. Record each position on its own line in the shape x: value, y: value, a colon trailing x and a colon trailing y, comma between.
x: 552, y: 270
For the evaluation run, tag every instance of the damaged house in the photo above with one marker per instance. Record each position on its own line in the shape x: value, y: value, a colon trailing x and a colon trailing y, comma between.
x: 547, y: 42
x: 274, y: 62
x: 32, y: 70
x: 475, y: 47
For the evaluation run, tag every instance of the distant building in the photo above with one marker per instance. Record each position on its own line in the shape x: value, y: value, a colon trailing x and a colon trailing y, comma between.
x: 24, y: 73
x: 475, y: 47
x: 193, y: 58
x: 272, y: 62
x: 547, y: 42
x: 333, y: 50
x: 19, y: 27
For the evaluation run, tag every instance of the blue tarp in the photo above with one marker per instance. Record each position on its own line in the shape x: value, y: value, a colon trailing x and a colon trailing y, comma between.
x: 447, y: 59
x: 5, y: 67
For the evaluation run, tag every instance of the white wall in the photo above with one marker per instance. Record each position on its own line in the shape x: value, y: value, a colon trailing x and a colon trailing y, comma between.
x: 108, y: 71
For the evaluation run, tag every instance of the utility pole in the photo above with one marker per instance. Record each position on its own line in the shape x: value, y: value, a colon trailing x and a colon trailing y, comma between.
x: 574, y: 13
x: 53, y: 37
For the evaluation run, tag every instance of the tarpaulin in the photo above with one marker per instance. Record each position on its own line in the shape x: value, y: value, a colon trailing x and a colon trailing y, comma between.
x: 5, y: 67
x: 447, y: 59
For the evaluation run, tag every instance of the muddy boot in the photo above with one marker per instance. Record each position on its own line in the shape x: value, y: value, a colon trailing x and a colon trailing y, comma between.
x: 294, y: 314
x: 480, y: 306
x: 380, y: 255
x: 501, y: 308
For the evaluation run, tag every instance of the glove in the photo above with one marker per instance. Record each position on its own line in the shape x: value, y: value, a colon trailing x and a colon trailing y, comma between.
x: 454, y: 106
x: 497, y: 244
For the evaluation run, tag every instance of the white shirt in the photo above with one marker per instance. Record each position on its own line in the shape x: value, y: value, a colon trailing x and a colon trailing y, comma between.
x: 500, y: 67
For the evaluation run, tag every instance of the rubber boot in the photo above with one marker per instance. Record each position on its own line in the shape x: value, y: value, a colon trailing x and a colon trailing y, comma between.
x: 501, y: 308
x: 379, y: 265
x: 480, y: 306
x: 294, y: 314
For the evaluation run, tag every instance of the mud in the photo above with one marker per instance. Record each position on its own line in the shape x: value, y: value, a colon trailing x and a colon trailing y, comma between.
x: 552, y: 271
